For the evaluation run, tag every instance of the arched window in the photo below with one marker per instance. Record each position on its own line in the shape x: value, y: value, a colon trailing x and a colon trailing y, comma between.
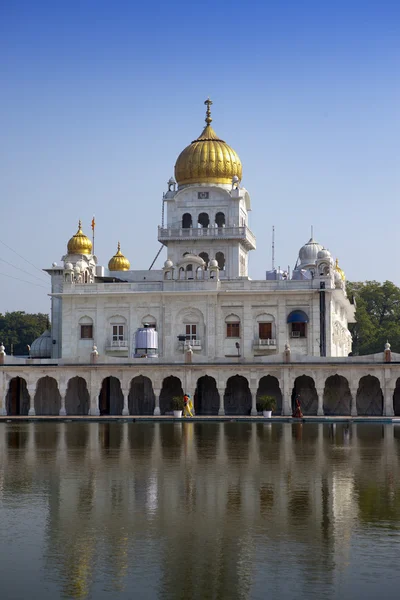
x: 86, y: 328
x: 189, y: 271
x: 205, y: 257
x: 186, y: 221
x: 265, y: 327
x: 297, y: 321
x: 203, y: 220
x: 86, y: 277
x: 232, y: 326
x: 199, y: 273
x: 220, y: 258
x: 220, y: 219
x: 181, y: 273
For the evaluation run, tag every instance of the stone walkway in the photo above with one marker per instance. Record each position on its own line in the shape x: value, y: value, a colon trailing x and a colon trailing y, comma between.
x: 203, y: 418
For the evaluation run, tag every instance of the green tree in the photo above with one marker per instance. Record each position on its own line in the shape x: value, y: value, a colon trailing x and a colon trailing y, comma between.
x: 20, y: 329
x: 377, y: 315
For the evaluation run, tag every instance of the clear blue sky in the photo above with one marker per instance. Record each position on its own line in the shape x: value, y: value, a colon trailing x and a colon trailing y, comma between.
x: 98, y: 99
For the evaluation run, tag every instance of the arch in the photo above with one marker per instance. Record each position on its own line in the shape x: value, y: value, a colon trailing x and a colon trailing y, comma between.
x: 181, y: 273
x: 17, y: 399
x: 111, y: 398
x: 203, y: 220
x: 337, y: 396
x: 269, y: 386
x: 187, y: 221
x: 149, y: 320
x: 206, y: 258
x: 220, y: 219
x: 141, y: 399
x: 220, y: 258
x: 396, y: 399
x: 189, y: 271
x: 237, y: 398
x: 171, y: 387
x: 77, y: 399
x: 369, y: 397
x: 304, y: 386
x: 199, y: 273
x: 206, y: 397
x: 47, y: 397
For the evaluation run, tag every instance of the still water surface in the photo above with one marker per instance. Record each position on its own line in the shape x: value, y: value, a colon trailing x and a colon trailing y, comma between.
x: 199, y: 511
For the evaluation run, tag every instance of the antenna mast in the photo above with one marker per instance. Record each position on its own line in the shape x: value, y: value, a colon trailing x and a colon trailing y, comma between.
x: 273, y: 247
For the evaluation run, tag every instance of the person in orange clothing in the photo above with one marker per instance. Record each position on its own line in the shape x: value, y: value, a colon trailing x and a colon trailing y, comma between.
x: 188, y: 406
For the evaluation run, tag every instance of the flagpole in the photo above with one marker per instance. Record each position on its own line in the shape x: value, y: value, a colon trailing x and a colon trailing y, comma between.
x: 93, y: 227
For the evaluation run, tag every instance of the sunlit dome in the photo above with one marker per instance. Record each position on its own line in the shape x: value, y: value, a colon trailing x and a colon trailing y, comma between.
x: 119, y: 262
x: 208, y: 159
x: 79, y: 243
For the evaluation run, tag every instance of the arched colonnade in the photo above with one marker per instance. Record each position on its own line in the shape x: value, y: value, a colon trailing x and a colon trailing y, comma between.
x: 235, y: 394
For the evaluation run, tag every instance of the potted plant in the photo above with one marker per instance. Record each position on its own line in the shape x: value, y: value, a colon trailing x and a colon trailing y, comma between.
x: 177, y: 405
x: 267, y: 405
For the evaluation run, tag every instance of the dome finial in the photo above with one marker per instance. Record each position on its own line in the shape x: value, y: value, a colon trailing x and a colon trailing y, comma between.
x: 79, y: 224
x: 119, y: 247
x: 208, y: 119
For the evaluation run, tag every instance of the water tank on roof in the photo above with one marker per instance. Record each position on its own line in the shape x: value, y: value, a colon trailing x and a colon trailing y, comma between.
x: 146, y: 342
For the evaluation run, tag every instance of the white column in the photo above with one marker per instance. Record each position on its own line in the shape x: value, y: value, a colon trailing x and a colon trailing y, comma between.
x: 125, y: 410
x: 388, y: 400
x: 157, y: 412
x: 221, y: 411
x: 94, y: 410
x: 320, y: 410
x: 31, y: 390
x: 353, y: 391
x: 253, y: 391
x: 287, y: 394
x: 63, y: 393
x: 3, y: 394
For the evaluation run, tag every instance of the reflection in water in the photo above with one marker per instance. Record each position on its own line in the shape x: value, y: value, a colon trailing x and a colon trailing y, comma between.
x: 200, y: 510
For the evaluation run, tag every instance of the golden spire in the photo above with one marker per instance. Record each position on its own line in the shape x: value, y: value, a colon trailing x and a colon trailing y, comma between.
x: 119, y: 262
x: 208, y: 119
x: 79, y: 243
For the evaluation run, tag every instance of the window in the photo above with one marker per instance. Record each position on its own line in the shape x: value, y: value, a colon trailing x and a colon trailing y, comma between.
x: 191, y: 332
x: 233, y: 330
x: 118, y: 333
x: 299, y: 330
x: 86, y: 332
x: 220, y: 258
x: 265, y: 331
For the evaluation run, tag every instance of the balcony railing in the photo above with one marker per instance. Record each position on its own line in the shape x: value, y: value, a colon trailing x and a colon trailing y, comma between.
x: 115, y: 345
x: 195, y: 344
x: 261, y: 344
x: 232, y: 233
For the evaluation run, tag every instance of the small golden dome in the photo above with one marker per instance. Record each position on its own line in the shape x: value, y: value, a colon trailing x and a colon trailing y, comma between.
x: 339, y: 270
x: 118, y: 262
x: 207, y: 159
x: 79, y: 243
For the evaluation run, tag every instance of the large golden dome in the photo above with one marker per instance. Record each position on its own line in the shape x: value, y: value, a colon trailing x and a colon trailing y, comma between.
x: 207, y: 159
x: 118, y: 262
x: 79, y: 243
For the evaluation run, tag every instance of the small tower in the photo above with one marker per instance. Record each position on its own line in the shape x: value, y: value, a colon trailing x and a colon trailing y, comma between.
x: 208, y: 214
